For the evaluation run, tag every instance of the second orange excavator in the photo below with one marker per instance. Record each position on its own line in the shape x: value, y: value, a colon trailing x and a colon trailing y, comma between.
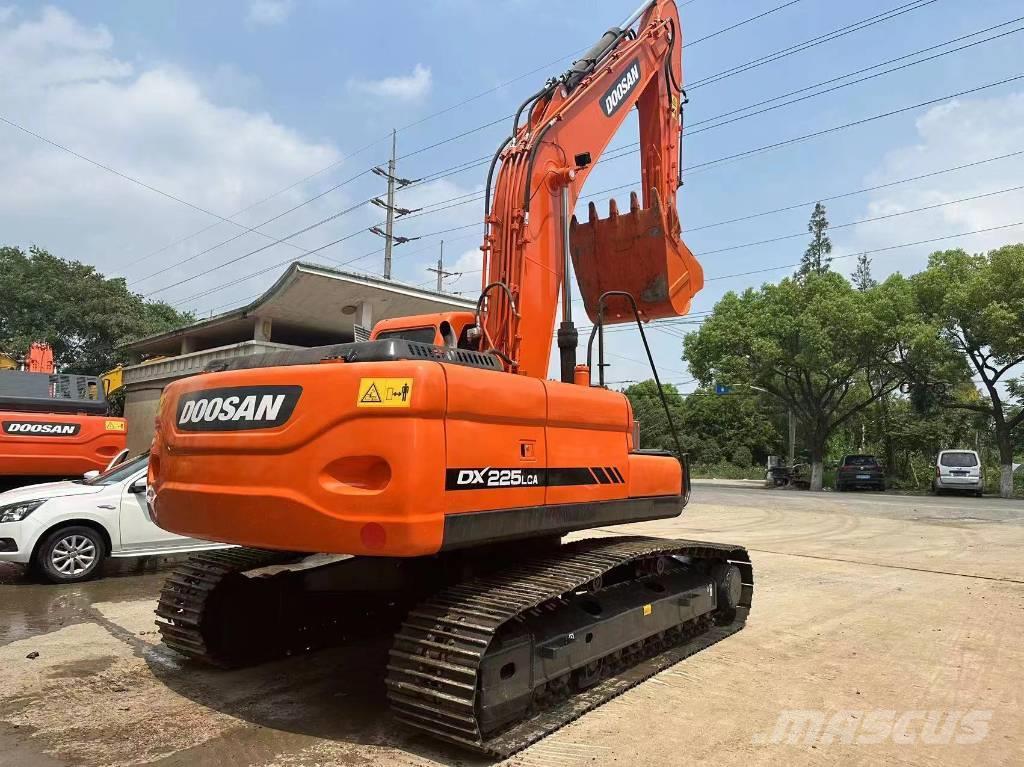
x: 437, y: 468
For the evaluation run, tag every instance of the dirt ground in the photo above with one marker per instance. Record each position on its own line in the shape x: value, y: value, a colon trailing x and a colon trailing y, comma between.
x: 893, y: 624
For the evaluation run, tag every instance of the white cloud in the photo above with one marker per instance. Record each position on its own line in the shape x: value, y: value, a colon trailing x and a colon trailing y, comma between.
x: 269, y: 12
x: 411, y: 87
x: 949, y: 135
x: 6, y: 13
x: 158, y: 124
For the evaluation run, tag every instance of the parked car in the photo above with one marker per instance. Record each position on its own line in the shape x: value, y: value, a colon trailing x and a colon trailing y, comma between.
x: 958, y: 470
x: 860, y: 471
x: 64, y: 530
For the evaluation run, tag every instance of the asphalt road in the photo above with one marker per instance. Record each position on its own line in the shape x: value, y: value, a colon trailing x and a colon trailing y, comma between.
x: 888, y: 504
x: 865, y: 604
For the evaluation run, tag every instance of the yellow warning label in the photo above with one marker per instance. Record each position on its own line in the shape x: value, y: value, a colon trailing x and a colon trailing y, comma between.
x: 647, y: 610
x: 384, y: 392
x: 114, y: 425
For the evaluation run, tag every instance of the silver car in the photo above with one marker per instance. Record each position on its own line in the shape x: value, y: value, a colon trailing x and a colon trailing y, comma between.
x: 958, y: 470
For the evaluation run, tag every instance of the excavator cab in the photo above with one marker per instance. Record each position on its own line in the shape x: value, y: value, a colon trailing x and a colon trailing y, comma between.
x: 641, y: 253
x: 448, y: 329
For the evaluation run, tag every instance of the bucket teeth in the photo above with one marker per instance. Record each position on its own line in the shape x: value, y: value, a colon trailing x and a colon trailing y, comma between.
x: 591, y: 212
x: 634, y: 202
x: 613, y: 208
x: 655, y: 200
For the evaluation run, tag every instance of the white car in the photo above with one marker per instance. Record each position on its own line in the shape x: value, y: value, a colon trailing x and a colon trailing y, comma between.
x: 64, y: 530
x: 958, y: 470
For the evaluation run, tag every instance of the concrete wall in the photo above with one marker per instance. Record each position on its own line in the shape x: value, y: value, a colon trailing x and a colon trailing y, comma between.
x: 145, y: 383
x: 140, y: 409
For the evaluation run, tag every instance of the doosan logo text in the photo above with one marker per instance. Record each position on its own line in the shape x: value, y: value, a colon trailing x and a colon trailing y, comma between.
x: 615, y: 96
x: 41, y: 428
x: 237, y: 408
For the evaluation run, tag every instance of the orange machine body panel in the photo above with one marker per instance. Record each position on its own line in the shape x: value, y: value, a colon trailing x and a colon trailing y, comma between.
x: 402, y: 469
x: 58, y: 444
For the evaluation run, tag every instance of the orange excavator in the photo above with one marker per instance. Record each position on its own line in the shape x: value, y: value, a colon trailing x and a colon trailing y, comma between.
x: 53, y: 425
x: 423, y: 480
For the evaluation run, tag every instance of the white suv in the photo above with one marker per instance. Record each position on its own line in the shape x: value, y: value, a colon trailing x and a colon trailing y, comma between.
x: 64, y: 530
x: 958, y: 470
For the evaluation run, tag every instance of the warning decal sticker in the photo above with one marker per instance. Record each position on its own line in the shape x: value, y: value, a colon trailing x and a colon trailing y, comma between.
x: 384, y: 392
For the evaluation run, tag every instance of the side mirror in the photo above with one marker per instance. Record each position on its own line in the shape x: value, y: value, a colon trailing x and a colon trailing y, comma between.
x: 138, y: 486
x: 91, y: 474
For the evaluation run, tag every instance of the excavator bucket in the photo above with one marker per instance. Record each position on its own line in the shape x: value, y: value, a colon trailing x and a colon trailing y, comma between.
x: 640, y: 253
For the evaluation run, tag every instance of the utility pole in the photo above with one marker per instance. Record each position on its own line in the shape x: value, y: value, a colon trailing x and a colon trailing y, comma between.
x: 389, y: 226
x: 441, y: 273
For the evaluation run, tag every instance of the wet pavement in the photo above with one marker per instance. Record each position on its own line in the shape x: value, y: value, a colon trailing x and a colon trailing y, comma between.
x: 29, y: 606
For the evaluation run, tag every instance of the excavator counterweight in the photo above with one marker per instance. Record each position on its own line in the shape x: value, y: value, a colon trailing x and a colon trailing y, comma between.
x: 421, y: 482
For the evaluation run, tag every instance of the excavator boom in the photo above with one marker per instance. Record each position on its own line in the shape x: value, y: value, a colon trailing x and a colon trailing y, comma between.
x: 543, y: 167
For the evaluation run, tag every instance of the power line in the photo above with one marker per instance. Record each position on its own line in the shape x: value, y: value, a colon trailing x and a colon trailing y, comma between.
x: 814, y: 134
x: 862, y: 221
x: 309, y: 252
x: 256, y: 229
x: 869, y: 252
x: 834, y: 34
x: 691, y: 169
x: 833, y: 129
x: 851, y: 82
x: 474, y: 163
x: 863, y: 190
x: 874, y: 66
x: 475, y: 196
x: 741, y: 23
x: 378, y: 140
x: 117, y: 173
x: 270, y: 245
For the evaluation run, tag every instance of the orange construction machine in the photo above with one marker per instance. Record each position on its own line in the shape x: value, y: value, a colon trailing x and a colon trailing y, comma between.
x: 441, y: 468
x: 53, y: 425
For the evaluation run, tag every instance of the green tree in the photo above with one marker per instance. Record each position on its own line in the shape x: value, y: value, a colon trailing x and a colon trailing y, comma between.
x: 648, y: 410
x: 976, y: 304
x: 816, y: 345
x: 83, y: 315
x: 738, y: 428
x: 815, y: 259
x: 862, y: 278
x: 711, y: 428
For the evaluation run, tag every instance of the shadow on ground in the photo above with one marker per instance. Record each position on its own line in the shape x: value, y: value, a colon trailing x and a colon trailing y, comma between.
x: 335, y: 694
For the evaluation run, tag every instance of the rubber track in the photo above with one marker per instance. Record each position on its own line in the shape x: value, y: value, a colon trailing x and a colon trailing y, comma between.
x: 187, y: 591
x: 433, y: 673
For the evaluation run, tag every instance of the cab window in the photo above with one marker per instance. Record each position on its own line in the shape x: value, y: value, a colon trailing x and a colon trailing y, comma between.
x: 959, y: 460
x: 418, y: 335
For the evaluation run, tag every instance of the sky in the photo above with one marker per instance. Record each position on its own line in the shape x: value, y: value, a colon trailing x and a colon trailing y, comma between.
x: 130, y: 131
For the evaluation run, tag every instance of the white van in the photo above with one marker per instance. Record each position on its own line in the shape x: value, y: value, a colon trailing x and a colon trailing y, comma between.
x: 958, y: 470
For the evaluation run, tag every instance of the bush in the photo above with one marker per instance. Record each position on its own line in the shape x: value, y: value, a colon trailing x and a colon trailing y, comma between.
x: 723, y: 470
x: 741, y: 456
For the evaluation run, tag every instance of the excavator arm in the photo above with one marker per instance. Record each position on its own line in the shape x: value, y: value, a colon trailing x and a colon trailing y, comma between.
x: 530, y: 236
